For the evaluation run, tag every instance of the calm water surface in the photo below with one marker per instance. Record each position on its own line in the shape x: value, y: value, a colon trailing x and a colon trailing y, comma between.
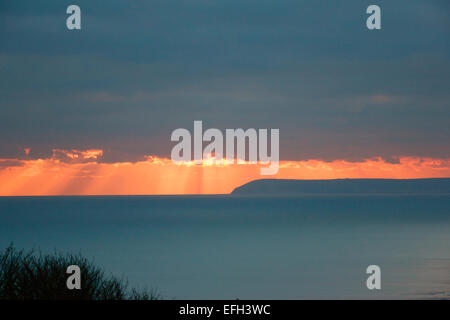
x: 221, y: 247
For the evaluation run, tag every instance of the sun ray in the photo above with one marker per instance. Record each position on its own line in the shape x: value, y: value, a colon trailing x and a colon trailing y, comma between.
x: 81, y: 173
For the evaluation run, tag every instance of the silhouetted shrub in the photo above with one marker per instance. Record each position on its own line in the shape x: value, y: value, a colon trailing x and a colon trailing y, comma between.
x: 33, y: 275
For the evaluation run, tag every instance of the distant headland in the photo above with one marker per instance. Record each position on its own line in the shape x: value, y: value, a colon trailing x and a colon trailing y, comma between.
x: 282, y: 187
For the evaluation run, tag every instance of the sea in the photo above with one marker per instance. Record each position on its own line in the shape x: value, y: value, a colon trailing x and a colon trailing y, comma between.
x: 248, y: 247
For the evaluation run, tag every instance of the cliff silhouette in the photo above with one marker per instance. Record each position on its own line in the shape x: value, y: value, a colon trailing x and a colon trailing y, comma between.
x: 281, y: 187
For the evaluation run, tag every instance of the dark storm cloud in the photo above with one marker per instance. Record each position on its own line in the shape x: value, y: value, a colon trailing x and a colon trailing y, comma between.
x: 137, y: 70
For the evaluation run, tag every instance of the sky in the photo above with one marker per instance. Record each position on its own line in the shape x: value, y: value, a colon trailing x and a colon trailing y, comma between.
x: 341, y: 95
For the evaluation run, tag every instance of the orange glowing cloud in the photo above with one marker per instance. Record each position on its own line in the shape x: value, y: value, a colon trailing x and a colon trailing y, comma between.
x: 77, y: 155
x: 79, y: 172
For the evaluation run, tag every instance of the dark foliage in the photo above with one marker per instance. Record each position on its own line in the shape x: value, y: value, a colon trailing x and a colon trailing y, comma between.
x: 33, y: 275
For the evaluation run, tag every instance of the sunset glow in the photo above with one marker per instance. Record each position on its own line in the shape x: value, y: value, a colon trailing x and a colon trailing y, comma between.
x: 78, y: 172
